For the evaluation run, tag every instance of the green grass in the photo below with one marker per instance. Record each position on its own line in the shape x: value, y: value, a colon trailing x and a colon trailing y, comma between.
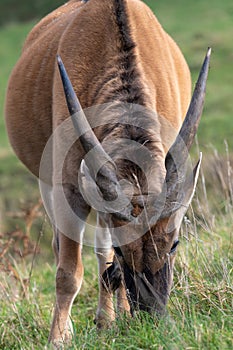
x: 199, y: 312
x: 200, y: 308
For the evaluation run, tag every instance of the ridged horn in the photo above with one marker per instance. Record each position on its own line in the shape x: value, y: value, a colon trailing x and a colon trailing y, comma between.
x: 100, y: 165
x: 81, y: 125
x: 180, y: 148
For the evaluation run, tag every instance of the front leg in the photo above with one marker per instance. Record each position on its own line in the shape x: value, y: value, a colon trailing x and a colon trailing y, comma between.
x: 123, y: 306
x: 104, y: 252
x: 68, y: 250
x: 113, y: 280
x: 68, y: 283
x: 110, y: 278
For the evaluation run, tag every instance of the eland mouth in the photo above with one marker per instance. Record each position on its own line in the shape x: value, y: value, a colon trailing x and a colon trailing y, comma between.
x: 145, y: 291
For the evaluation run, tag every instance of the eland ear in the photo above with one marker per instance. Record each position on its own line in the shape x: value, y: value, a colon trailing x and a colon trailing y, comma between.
x: 93, y: 196
x: 184, y: 197
x: 190, y: 185
x: 88, y: 188
x: 180, y: 198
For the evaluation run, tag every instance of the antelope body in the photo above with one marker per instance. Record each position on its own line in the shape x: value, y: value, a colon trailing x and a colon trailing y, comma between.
x: 117, y: 56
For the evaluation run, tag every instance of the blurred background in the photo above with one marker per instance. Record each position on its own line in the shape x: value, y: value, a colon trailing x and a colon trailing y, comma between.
x: 194, y: 25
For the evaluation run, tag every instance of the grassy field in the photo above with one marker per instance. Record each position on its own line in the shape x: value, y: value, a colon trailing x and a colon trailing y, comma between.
x: 200, y: 308
x: 199, y: 311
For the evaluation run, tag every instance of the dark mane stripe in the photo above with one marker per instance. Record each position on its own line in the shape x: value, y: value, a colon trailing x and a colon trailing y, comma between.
x: 124, y: 68
x: 129, y: 89
x: 123, y: 24
x: 132, y: 90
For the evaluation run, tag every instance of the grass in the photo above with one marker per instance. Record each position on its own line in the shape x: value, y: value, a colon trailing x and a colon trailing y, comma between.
x: 200, y: 308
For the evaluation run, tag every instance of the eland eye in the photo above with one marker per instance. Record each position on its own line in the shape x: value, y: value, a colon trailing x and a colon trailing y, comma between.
x: 118, y: 251
x: 173, y: 248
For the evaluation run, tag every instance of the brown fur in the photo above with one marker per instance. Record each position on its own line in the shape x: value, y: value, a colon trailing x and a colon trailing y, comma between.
x: 114, y: 51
